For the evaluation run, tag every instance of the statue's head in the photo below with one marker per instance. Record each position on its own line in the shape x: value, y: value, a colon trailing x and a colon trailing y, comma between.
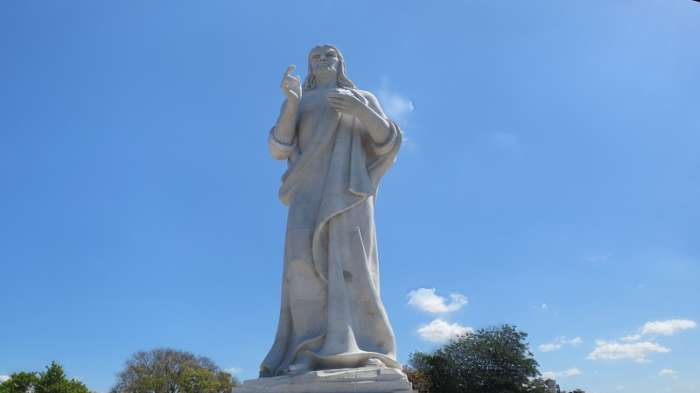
x: 325, y: 62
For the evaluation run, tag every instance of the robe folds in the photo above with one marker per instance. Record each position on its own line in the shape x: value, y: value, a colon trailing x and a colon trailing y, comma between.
x: 331, y: 312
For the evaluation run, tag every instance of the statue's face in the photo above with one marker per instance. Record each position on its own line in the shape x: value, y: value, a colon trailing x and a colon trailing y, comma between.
x: 324, y: 61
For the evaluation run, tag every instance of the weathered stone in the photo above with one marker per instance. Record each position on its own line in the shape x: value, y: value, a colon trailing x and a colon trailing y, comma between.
x: 349, y: 380
x: 338, y: 143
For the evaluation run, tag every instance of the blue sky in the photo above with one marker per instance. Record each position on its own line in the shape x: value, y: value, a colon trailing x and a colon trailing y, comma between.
x: 550, y: 178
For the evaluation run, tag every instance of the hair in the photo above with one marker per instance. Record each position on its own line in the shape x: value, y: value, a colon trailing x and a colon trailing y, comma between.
x: 342, y: 78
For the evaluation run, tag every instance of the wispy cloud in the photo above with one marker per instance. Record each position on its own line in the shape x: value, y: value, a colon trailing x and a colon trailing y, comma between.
x: 663, y: 328
x: 667, y: 328
x: 4, y: 378
x: 637, y: 346
x: 441, y: 331
x: 395, y: 105
x: 568, y: 373
x: 234, y: 370
x: 637, y: 351
x: 631, y: 338
x: 667, y: 372
x: 549, y: 375
x: 425, y: 299
x: 558, y: 343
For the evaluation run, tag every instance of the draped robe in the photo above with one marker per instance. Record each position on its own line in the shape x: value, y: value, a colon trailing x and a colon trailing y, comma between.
x: 331, y: 312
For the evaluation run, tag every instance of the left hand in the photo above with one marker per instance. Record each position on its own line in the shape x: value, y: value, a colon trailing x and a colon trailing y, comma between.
x: 347, y: 103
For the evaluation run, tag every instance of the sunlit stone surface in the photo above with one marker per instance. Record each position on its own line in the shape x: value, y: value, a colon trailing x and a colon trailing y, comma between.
x: 333, y: 333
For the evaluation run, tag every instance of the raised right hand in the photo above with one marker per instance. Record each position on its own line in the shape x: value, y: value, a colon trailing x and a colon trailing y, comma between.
x: 291, y: 84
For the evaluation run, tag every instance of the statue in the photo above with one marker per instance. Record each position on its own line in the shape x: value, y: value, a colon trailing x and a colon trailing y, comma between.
x: 338, y: 143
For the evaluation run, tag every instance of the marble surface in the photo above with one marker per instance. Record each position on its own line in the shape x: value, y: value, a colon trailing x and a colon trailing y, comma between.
x: 350, y: 380
x: 337, y: 143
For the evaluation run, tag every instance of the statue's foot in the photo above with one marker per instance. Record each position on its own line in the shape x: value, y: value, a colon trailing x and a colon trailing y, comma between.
x: 374, y: 362
x: 298, y: 368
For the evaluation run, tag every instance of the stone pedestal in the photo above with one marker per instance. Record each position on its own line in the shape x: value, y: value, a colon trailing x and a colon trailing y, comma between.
x: 347, y: 380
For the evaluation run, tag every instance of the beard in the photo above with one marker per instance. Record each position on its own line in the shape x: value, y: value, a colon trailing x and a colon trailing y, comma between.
x: 325, y: 69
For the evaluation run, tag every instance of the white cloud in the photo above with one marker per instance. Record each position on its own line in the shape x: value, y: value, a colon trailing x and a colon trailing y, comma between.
x: 571, y: 372
x: 544, y: 307
x: 4, y: 378
x: 441, y: 331
x: 550, y: 347
x: 667, y: 372
x: 234, y: 370
x: 558, y: 343
x: 394, y: 104
x: 637, y: 351
x: 631, y: 338
x: 668, y: 327
x: 425, y: 299
x: 549, y: 375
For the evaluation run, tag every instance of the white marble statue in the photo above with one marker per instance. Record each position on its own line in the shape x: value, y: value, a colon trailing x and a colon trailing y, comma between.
x: 338, y: 143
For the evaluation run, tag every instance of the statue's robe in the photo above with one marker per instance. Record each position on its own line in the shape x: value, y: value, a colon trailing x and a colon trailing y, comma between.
x: 331, y: 315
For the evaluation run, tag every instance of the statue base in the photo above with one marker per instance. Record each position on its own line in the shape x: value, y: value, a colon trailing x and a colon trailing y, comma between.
x: 345, y: 380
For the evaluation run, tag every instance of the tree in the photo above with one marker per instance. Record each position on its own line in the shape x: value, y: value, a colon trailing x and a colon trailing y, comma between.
x: 486, y: 361
x: 20, y: 382
x: 419, y: 380
x: 171, y: 371
x: 536, y: 385
x: 53, y: 380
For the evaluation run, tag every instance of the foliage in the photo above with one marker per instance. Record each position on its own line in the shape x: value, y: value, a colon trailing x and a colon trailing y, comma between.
x: 536, y: 385
x: 539, y: 385
x: 53, y: 380
x: 419, y: 380
x: 171, y: 371
x: 21, y: 382
x: 486, y: 361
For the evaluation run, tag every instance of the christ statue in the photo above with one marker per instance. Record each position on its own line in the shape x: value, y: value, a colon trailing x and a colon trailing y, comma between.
x: 338, y: 143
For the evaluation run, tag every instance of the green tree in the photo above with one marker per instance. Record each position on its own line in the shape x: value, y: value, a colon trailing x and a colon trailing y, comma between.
x: 536, y: 385
x: 20, y: 382
x: 53, y: 380
x: 419, y: 380
x: 486, y: 361
x: 171, y: 371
